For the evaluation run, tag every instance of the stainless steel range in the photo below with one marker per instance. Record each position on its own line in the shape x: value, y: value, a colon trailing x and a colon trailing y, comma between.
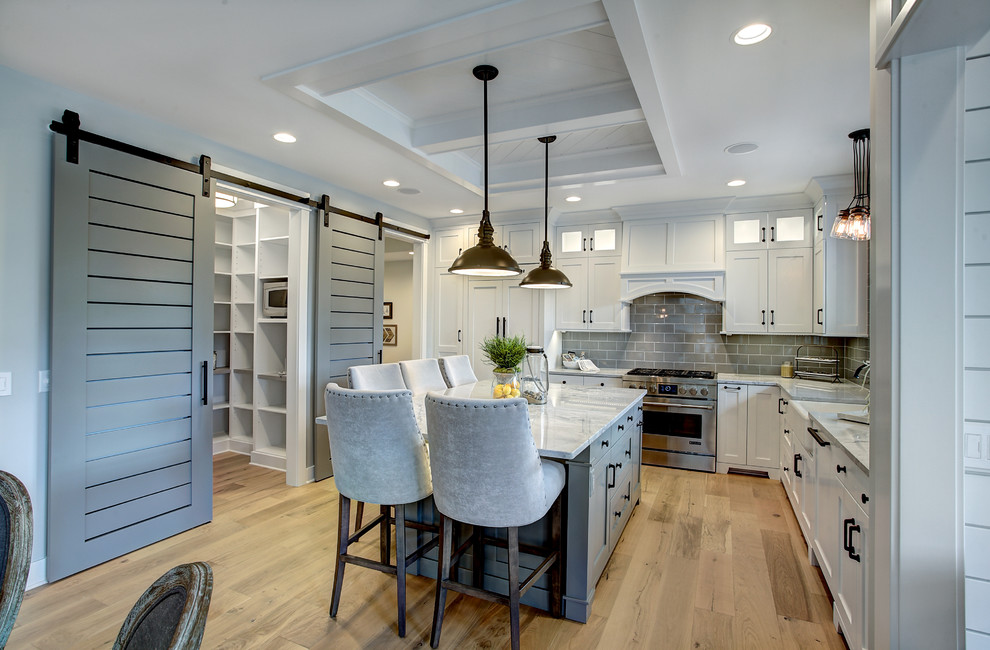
x: 678, y: 416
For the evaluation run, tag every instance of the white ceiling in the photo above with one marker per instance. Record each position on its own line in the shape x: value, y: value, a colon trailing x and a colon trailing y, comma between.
x: 644, y: 95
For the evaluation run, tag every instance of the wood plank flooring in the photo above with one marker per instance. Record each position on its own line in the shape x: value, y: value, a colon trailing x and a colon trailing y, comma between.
x: 707, y: 561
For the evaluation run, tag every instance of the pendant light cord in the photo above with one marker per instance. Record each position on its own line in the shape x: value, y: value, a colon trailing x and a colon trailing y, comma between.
x: 546, y: 194
x: 486, y: 145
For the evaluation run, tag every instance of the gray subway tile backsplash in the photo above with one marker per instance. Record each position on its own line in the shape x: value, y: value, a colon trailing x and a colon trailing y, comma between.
x: 687, y: 337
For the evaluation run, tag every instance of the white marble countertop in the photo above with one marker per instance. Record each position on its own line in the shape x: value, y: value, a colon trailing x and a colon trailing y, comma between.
x: 807, y: 390
x: 853, y: 437
x: 601, y: 372
x: 563, y: 427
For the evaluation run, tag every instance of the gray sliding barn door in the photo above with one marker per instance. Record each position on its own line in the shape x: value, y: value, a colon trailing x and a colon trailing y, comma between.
x: 130, y: 456
x: 349, y: 291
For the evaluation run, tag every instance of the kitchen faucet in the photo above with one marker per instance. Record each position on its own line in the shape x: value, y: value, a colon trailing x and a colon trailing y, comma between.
x: 866, y: 365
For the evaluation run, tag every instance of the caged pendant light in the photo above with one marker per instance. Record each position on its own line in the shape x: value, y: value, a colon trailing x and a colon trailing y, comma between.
x: 854, y: 221
x: 485, y: 259
x: 545, y: 276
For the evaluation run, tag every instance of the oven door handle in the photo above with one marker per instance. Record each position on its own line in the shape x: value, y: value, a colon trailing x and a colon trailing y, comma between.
x: 655, y: 405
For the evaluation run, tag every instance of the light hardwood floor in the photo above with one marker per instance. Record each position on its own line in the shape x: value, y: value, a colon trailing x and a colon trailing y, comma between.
x: 707, y: 561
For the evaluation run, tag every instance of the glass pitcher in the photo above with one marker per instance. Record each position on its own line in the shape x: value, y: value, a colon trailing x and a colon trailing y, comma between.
x: 535, y: 376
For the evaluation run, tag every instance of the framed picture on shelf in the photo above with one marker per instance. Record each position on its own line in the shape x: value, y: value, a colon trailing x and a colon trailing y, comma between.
x: 387, y: 311
x: 390, y: 336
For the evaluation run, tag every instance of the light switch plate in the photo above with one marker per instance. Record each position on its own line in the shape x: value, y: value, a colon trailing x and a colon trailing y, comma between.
x: 5, y: 379
x: 44, y: 381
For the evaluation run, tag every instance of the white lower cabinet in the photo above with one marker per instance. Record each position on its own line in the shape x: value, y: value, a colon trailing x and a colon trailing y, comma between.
x: 850, y: 598
x: 748, y: 428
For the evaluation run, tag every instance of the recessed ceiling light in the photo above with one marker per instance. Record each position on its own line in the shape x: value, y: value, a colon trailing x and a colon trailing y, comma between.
x: 736, y: 183
x: 390, y: 183
x: 285, y: 137
x: 412, y: 252
x: 225, y: 200
x: 456, y: 211
x: 752, y: 34
x: 573, y: 199
x: 742, y: 147
x: 409, y: 190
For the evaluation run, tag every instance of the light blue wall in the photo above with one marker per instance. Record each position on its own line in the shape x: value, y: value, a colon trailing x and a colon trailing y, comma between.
x: 27, y: 107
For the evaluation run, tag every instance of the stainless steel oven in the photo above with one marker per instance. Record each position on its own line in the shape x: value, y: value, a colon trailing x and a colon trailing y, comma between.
x: 678, y: 417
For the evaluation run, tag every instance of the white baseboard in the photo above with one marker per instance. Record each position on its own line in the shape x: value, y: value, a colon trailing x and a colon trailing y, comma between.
x: 37, y: 574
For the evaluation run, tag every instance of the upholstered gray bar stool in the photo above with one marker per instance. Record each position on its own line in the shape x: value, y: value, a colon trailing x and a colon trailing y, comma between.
x: 379, y: 456
x: 16, y: 535
x: 487, y: 472
x: 457, y: 370
x: 422, y: 375
x: 381, y: 376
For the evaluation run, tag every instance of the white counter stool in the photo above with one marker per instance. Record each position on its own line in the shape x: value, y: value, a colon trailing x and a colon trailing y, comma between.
x: 379, y: 456
x: 457, y: 370
x: 379, y: 376
x: 422, y: 375
x: 487, y: 472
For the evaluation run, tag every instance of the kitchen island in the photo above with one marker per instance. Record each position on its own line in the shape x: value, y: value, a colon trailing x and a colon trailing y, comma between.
x: 595, y: 432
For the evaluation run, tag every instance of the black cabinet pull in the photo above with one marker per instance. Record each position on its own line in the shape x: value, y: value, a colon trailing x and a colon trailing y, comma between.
x: 496, y: 326
x: 772, y: 235
x: 787, y: 431
x: 610, y: 484
x: 622, y: 427
x: 618, y: 465
x: 583, y: 312
x: 629, y: 418
x: 628, y: 493
x: 584, y: 244
x: 505, y: 326
x: 592, y: 244
x: 763, y: 314
x: 820, y: 223
x: 820, y: 314
x: 865, y: 499
x: 839, y: 469
x: 206, y: 379
x: 797, y: 470
x: 846, y: 523
x: 379, y: 356
x: 617, y: 514
x: 730, y: 388
x: 604, y: 443
x: 763, y: 234
x: 771, y: 317
x: 821, y: 441
x: 781, y: 403
x: 591, y: 315
x: 786, y: 468
x: 850, y: 549
x: 458, y: 336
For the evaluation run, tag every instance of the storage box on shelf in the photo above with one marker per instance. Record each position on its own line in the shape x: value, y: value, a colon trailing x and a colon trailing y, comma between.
x: 748, y: 428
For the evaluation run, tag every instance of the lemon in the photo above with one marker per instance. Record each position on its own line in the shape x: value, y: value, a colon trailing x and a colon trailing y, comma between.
x: 514, y: 392
x: 497, y: 392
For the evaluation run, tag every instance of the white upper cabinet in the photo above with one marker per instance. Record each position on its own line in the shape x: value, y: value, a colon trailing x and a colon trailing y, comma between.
x: 673, y: 244
x: 522, y: 241
x: 592, y: 240
x: 768, y: 292
x: 592, y: 302
x: 762, y: 230
x: 841, y: 267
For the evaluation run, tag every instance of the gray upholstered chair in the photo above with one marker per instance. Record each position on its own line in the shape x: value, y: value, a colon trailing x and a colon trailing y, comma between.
x: 422, y: 375
x: 16, y: 534
x: 457, y: 370
x: 382, y: 376
x: 171, y: 614
x: 379, y: 456
x: 487, y: 472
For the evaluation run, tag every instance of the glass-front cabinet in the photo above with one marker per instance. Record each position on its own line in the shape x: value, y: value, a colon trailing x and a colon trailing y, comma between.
x: 777, y: 229
x: 589, y: 240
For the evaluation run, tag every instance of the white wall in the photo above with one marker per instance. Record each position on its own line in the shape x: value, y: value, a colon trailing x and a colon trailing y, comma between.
x: 975, y: 268
x: 27, y: 106
x: 399, y: 291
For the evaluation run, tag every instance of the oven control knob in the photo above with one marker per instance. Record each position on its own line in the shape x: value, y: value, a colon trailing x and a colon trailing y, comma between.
x: 704, y: 391
x: 653, y: 389
x: 681, y: 390
x: 694, y: 391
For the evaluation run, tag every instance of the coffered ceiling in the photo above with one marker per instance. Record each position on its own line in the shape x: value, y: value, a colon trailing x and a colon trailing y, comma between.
x: 644, y: 95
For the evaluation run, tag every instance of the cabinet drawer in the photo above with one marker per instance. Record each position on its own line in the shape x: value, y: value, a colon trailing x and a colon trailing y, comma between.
x: 851, y: 477
x: 619, y: 508
x: 602, y: 445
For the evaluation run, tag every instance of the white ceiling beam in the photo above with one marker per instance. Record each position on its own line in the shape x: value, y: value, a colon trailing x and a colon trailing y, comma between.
x: 566, y: 168
x: 501, y: 26
x: 604, y: 106
x: 636, y: 48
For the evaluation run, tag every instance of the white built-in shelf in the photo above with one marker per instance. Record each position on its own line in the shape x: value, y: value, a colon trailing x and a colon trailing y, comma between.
x: 225, y: 273
x: 220, y: 406
x: 244, y: 370
x: 222, y: 371
x: 247, y: 407
x: 282, y: 238
x: 222, y: 244
x: 221, y: 331
x: 272, y: 375
x: 273, y: 409
x: 281, y: 321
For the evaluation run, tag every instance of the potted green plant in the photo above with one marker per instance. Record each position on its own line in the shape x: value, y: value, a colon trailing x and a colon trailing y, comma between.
x: 506, y: 354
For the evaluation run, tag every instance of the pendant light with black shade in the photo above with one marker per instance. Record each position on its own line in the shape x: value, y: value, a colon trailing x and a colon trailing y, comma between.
x: 545, y: 276
x: 485, y: 259
x: 853, y: 222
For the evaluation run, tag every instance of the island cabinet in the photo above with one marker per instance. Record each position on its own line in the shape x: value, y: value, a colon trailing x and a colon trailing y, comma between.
x: 603, y: 484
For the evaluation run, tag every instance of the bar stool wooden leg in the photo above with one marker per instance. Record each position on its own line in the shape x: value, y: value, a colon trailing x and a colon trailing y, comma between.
x: 385, y: 537
x: 556, y: 583
x: 400, y: 566
x: 514, y: 586
x: 478, y: 553
x: 343, y: 533
x: 359, y: 515
x: 443, y: 564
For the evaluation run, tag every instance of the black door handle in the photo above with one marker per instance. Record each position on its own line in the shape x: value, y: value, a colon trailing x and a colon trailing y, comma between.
x: 821, y: 441
x: 840, y: 469
x: 622, y: 427
x: 610, y: 484
x: 763, y: 314
x: 591, y: 316
x: 771, y: 317
x: 763, y: 234
x: 820, y: 223
x: 496, y: 326
x: 820, y: 316
x: 846, y: 523
x: 592, y: 244
x: 583, y: 313
x: 206, y: 379
x: 379, y: 356
x: 797, y: 470
x: 458, y: 336
x: 772, y: 235
x: 505, y: 326
x: 629, y: 418
x: 604, y: 443
x: 584, y: 244
x: 781, y: 403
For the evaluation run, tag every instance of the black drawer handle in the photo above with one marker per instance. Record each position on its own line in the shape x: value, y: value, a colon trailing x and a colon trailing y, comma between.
x: 797, y: 471
x: 864, y: 498
x: 821, y: 441
x: 781, y: 403
x: 604, y: 443
x: 772, y: 235
x: 617, y: 514
x: 622, y: 427
x: 820, y: 316
x: 763, y: 313
x: 840, y: 469
x: 629, y: 418
x: 763, y: 234
x: 618, y: 465
x: 771, y: 317
x: 610, y: 484
x: 206, y: 379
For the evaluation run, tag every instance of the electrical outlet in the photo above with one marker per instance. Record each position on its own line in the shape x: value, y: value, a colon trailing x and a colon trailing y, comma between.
x: 5, y: 380
x: 44, y: 381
